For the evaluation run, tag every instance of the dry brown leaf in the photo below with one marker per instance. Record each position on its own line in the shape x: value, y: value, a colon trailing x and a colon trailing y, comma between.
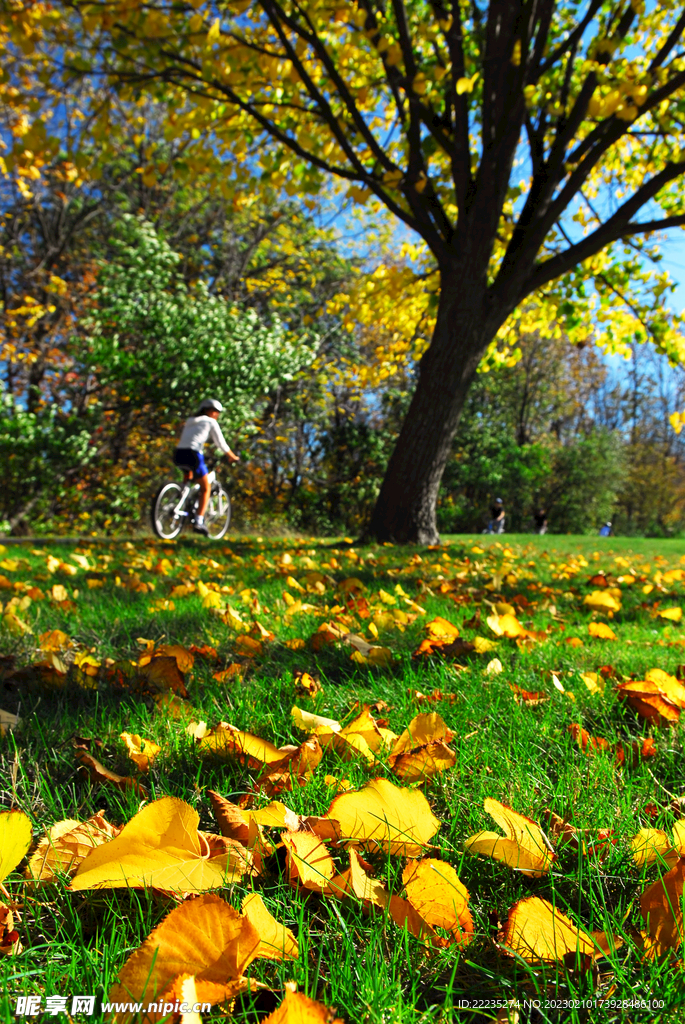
x: 387, y: 817
x: 183, y: 657
x: 10, y: 942
x: 204, y: 937
x: 276, y: 941
x: 162, y: 673
x: 98, y: 773
x: 66, y: 845
x: 161, y: 847
x: 8, y: 721
x: 523, y: 847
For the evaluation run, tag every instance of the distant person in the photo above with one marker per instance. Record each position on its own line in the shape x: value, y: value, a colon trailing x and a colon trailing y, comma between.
x: 607, y: 530
x: 541, y: 521
x: 496, y: 524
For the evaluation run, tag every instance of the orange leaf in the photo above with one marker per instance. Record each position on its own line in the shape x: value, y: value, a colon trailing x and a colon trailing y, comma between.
x: 421, y: 750
x: 436, y: 892
x: 529, y: 696
x: 230, y: 818
x: 299, y: 1009
x: 662, y: 909
x: 162, y: 673
x: 205, y: 937
x: 142, y: 752
x: 602, y: 631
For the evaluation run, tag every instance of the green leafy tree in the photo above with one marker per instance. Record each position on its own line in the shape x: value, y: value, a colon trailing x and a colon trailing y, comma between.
x: 156, y: 344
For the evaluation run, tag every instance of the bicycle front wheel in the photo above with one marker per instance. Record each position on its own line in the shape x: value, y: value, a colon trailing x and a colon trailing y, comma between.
x: 165, y: 522
x: 218, y: 514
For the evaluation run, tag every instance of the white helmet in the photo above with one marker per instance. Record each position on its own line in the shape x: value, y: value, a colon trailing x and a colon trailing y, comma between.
x: 211, y: 403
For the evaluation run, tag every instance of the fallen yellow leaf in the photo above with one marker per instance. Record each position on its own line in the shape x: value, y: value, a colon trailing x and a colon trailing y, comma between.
x: 386, y: 817
x: 523, y: 847
x: 161, y: 847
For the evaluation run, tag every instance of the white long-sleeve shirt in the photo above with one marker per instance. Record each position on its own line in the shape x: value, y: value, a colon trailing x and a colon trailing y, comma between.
x: 198, y: 430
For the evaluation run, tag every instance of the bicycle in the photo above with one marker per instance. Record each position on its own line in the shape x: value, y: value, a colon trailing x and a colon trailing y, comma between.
x: 175, y: 505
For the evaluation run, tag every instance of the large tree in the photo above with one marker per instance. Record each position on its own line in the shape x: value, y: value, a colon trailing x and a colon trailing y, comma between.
x: 532, y: 146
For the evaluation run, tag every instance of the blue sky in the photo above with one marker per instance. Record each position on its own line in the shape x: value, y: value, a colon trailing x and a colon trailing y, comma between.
x: 674, y: 263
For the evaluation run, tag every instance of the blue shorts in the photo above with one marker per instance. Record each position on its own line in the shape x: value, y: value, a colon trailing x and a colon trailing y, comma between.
x: 189, y: 459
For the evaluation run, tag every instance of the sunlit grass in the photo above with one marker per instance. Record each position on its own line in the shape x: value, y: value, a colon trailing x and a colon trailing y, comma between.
x: 524, y: 756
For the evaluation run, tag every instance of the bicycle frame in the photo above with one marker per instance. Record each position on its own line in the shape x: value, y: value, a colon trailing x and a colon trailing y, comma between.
x: 180, y: 509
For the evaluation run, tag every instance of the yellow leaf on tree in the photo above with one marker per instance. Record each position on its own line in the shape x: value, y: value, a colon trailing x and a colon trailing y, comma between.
x: 204, y: 937
x: 161, y: 848
x: 15, y: 839
x: 466, y: 85
x: 386, y: 817
x: 523, y: 847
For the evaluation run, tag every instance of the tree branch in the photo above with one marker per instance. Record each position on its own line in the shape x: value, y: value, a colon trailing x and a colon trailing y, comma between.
x: 613, y: 229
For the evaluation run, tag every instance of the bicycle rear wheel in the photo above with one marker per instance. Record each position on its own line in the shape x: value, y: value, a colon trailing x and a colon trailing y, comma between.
x: 165, y: 523
x: 218, y: 514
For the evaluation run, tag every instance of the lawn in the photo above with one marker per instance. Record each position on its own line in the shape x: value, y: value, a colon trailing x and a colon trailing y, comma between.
x: 166, y: 641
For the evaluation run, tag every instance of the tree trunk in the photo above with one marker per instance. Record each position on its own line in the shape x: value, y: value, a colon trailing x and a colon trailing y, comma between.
x: 465, y: 325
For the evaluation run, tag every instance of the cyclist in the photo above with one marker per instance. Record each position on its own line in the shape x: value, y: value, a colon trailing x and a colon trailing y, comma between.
x: 197, y: 430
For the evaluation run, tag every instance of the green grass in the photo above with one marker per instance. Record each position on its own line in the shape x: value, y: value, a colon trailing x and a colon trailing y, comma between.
x: 356, y: 961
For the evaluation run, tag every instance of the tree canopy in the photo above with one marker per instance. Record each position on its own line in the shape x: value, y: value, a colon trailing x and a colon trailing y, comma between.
x: 534, y: 148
